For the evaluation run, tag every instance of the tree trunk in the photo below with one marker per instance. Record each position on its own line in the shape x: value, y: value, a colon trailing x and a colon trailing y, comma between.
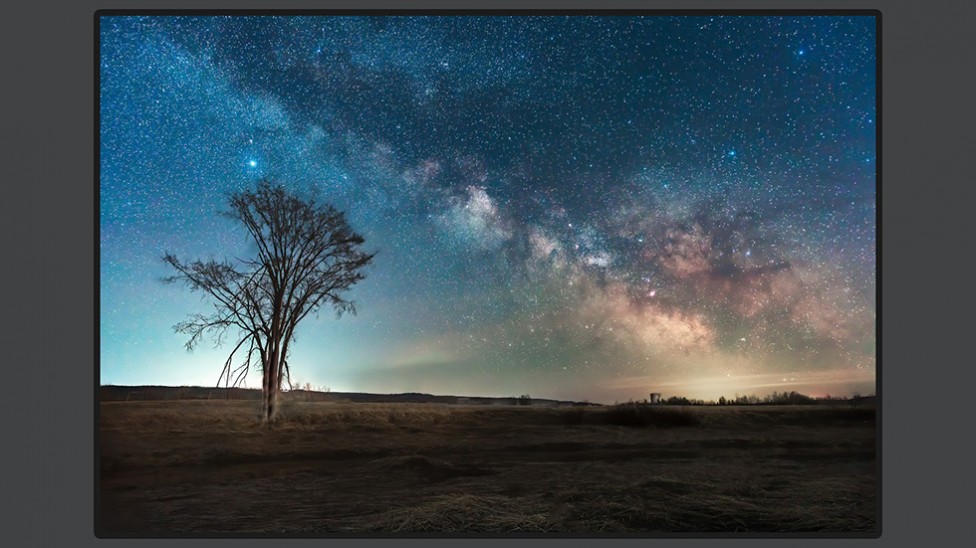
x: 272, y: 404
x: 271, y: 401
x: 265, y: 392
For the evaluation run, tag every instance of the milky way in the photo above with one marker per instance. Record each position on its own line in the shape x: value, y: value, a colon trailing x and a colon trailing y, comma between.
x: 570, y: 207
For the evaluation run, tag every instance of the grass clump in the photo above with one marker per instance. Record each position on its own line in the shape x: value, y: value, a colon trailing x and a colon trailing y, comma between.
x: 465, y: 513
x: 645, y: 416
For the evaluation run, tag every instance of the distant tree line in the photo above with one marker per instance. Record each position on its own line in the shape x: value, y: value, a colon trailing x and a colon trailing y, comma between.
x: 776, y: 398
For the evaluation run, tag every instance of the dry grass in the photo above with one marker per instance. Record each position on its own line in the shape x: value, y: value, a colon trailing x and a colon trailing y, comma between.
x: 358, y: 415
x: 645, y: 416
x: 464, y: 513
x: 235, y: 416
x: 419, y: 468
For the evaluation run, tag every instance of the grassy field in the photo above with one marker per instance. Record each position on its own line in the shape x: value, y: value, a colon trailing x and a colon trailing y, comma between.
x: 190, y: 467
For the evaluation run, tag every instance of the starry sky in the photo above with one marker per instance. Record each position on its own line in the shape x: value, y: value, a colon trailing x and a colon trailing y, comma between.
x: 570, y: 207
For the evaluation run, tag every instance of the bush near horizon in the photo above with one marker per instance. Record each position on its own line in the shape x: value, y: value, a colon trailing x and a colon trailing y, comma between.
x: 643, y: 416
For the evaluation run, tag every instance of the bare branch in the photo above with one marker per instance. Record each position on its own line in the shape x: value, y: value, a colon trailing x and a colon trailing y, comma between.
x: 307, y: 257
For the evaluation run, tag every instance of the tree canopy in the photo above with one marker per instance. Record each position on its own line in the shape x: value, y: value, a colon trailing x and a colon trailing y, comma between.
x: 307, y: 256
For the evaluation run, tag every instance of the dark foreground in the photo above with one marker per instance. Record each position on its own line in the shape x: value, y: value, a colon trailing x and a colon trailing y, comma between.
x: 208, y: 467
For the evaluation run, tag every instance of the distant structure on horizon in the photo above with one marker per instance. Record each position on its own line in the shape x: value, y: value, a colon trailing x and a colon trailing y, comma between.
x: 655, y: 397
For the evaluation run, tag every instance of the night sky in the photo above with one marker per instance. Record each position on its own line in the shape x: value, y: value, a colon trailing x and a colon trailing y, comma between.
x: 568, y: 207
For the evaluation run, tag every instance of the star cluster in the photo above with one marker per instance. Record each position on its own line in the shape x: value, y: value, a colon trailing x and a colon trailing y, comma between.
x: 574, y: 207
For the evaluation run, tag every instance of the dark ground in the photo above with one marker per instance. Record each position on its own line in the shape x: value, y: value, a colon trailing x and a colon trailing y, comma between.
x: 205, y: 467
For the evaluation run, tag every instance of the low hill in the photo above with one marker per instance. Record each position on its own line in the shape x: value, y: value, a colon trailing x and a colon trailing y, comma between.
x: 156, y: 393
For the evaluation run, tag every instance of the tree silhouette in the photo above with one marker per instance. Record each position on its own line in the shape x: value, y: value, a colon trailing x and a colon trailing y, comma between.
x: 307, y: 257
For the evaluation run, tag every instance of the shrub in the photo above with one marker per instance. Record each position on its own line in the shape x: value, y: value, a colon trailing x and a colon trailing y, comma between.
x: 572, y: 417
x: 643, y: 416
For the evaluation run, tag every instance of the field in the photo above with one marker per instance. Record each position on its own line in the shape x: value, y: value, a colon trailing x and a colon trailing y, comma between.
x: 209, y: 467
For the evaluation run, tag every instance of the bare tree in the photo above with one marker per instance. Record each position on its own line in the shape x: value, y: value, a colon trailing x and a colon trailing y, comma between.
x: 307, y: 257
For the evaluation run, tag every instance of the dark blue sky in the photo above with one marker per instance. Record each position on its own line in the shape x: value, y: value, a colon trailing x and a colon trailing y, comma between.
x: 571, y: 207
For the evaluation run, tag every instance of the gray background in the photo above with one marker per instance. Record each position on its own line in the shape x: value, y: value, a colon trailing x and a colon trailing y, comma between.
x: 47, y: 211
